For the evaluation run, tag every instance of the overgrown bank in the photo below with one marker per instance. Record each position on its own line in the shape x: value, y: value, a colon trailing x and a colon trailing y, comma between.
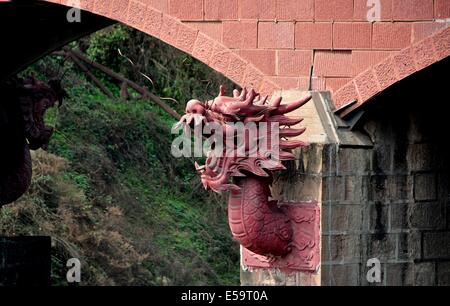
x: 109, y: 192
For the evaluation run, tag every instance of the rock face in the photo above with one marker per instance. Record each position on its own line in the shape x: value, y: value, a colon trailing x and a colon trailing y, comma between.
x: 22, y: 110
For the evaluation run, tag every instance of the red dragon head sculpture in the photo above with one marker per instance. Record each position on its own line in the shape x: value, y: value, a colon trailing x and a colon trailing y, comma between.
x: 250, y: 140
x: 244, y: 107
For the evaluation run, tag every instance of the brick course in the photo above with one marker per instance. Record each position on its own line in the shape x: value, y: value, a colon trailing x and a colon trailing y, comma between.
x: 323, y: 27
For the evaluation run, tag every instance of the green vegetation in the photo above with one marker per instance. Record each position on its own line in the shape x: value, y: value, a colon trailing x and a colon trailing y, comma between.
x: 108, y: 190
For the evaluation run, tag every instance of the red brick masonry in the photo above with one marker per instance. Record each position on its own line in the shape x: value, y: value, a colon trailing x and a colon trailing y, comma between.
x: 270, y: 44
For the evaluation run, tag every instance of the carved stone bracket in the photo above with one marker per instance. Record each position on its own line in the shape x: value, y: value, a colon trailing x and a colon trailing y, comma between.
x: 305, y: 254
x: 285, y: 235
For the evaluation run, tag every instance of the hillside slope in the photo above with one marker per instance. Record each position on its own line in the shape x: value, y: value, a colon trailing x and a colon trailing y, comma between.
x: 109, y: 192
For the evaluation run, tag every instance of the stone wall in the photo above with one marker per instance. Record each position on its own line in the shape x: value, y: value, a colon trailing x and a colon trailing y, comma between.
x: 383, y: 188
x: 277, y: 44
x: 391, y: 201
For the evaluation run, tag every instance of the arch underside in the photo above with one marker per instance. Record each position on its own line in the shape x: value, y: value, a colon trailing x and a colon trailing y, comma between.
x: 373, y: 81
x: 144, y: 17
x: 32, y: 30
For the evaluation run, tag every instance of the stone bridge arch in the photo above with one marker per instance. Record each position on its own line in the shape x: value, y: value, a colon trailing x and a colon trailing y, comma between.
x: 146, y: 17
x: 392, y: 70
x: 279, y: 42
x: 290, y: 44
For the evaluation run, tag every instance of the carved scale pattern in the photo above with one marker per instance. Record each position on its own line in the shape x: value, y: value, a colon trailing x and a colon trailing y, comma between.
x: 257, y: 223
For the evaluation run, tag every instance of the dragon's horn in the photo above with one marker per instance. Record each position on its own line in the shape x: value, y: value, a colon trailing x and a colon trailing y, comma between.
x: 287, y: 108
x: 243, y: 94
x: 277, y: 102
x: 221, y: 91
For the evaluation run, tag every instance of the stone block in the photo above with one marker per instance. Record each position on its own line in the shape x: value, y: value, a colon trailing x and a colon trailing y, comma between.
x: 443, y: 189
x: 338, y: 10
x: 317, y: 35
x: 424, y: 274
x: 262, y: 59
x: 427, y: 215
x: 441, y: 9
x: 236, y: 69
x: 399, y: 188
x: 425, y: 186
x: 333, y: 64
x: 186, y: 9
x: 391, y: 35
x: 389, y: 189
x: 375, y: 218
x: 354, y: 161
x: 329, y: 159
x: 341, y: 275
x: 291, y: 279
x: 276, y: 35
x: 294, y: 63
x: 253, y: 78
x: 294, y: 10
x: 220, y: 10
x: 436, y: 245
x: 263, y: 277
x: 203, y: 48
x: 345, y: 95
x: 367, y: 85
x: 412, y: 10
x: 377, y: 188
x: 398, y: 216
x: 409, y: 245
x: 333, y: 189
x: 344, y: 218
x: 257, y: 9
x: 341, y: 248
x: 382, y: 157
x: 303, y: 188
x: 311, y: 158
x: 247, y: 38
x: 443, y: 273
x: 383, y: 249
x: 421, y: 156
x: 404, y: 63
x: 355, y: 189
x: 400, y: 274
x: 352, y: 35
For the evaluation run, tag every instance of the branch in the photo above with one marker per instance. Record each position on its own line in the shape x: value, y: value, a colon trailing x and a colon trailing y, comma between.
x: 144, y: 92
x: 97, y: 82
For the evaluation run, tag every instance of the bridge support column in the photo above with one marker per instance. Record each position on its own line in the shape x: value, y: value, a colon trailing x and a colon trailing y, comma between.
x: 304, y: 184
x: 300, y: 186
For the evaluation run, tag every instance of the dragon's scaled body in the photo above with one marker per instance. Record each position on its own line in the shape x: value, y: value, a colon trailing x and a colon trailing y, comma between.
x: 255, y: 220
